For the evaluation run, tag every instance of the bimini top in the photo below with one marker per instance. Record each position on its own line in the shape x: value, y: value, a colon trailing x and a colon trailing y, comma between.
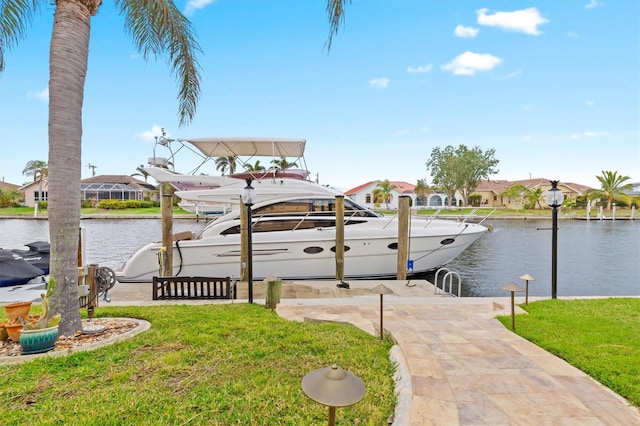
x: 267, y: 147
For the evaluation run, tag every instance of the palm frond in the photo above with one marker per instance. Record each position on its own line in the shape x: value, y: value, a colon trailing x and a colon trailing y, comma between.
x: 159, y: 28
x: 16, y: 17
x: 335, y: 10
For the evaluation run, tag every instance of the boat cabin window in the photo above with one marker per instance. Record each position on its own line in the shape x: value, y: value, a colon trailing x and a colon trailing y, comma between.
x: 316, y: 206
x: 288, y: 225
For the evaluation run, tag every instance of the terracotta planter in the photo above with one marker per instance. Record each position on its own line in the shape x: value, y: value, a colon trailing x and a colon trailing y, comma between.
x: 38, y: 341
x: 3, y: 333
x: 13, y: 330
x: 16, y: 310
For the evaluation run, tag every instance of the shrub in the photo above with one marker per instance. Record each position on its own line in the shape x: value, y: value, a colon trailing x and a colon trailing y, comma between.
x: 132, y: 204
x: 42, y: 205
x: 112, y: 205
x: 86, y: 204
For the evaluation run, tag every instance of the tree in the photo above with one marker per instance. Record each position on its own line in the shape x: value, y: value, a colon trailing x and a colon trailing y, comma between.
x: 461, y: 169
x: 254, y: 167
x: 9, y: 198
x: 283, y: 164
x: 36, y: 168
x: 517, y: 192
x: 141, y: 172
x: 226, y: 163
x: 422, y: 190
x: 612, y: 188
x: 158, y: 28
x: 382, y: 192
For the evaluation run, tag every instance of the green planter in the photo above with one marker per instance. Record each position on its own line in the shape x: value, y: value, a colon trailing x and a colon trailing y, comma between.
x: 39, y: 340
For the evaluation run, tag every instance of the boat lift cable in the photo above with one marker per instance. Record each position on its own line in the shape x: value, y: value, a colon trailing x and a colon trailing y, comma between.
x: 441, y: 246
x: 179, y: 254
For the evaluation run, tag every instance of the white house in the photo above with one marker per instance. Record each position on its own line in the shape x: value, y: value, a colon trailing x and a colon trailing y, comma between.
x: 363, y: 194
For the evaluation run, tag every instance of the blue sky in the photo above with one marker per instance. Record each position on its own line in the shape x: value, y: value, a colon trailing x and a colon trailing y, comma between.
x: 552, y: 86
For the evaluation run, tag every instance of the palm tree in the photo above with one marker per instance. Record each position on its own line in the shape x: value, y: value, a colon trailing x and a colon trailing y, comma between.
x: 141, y: 172
x: 36, y: 168
x: 226, y: 163
x: 533, y: 197
x: 283, y: 164
x: 40, y: 172
x: 158, y: 28
x: 382, y: 192
x: 612, y: 188
x: 254, y: 167
x: 422, y: 190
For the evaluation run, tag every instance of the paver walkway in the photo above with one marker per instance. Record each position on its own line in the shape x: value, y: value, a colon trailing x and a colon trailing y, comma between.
x: 467, y: 369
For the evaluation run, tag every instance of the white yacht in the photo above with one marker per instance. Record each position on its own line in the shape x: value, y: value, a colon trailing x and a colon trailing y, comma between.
x: 294, y: 234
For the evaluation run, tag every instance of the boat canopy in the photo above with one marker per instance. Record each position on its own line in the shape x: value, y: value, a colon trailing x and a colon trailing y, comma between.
x: 247, y: 146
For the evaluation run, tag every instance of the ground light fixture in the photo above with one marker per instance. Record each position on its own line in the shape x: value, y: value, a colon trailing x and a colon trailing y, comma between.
x: 554, y: 200
x: 381, y: 290
x: 248, y: 195
x: 334, y: 387
x: 527, y: 278
x: 512, y: 288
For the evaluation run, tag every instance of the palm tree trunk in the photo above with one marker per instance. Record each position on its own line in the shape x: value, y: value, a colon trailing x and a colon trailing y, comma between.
x: 66, y: 91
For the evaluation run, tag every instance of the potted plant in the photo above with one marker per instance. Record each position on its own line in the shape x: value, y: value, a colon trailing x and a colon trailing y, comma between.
x: 15, y: 311
x: 40, y: 334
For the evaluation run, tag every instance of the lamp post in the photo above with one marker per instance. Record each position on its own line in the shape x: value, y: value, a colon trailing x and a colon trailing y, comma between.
x: 334, y: 387
x: 247, y: 199
x: 381, y: 290
x: 554, y: 200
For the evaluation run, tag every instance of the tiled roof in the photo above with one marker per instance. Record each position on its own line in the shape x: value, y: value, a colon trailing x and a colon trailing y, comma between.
x: 400, y: 186
x: 6, y: 186
x: 124, y: 179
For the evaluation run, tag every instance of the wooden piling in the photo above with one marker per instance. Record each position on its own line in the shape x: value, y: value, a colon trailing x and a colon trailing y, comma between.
x: 403, y: 236
x: 340, y: 237
x: 167, y: 233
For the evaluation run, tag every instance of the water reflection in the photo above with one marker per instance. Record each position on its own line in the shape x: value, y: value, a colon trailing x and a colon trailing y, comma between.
x: 595, y: 258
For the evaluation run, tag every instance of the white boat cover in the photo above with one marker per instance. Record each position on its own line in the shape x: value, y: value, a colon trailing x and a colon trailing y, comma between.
x: 247, y: 146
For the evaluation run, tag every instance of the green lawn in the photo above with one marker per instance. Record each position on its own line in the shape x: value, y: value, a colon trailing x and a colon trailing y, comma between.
x: 209, y: 364
x: 599, y: 336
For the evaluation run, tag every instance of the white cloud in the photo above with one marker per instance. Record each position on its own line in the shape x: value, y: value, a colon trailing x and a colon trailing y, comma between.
x: 525, y: 20
x: 42, y: 95
x: 379, y: 83
x: 150, y: 135
x: 589, y: 103
x: 470, y: 63
x: 572, y: 34
x: 419, y: 69
x: 593, y: 3
x: 527, y: 107
x: 194, y: 5
x: 465, y: 32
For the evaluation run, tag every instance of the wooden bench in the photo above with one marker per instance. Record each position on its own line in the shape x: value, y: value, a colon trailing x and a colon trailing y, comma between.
x: 175, y: 288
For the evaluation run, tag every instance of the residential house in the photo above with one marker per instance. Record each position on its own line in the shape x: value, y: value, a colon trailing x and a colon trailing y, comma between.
x: 116, y: 187
x: 363, y: 194
x: 491, y: 191
x: 35, y: 192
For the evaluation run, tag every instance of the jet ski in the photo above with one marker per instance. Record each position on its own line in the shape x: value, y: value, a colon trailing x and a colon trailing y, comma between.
x: 15, y: 270
x: 37, y: 255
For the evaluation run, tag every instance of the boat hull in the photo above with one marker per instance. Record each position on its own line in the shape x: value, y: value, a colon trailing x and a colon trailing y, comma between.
x: 308, y: 254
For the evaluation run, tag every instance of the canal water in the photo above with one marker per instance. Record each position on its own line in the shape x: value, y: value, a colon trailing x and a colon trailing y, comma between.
x: 595, y: 258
